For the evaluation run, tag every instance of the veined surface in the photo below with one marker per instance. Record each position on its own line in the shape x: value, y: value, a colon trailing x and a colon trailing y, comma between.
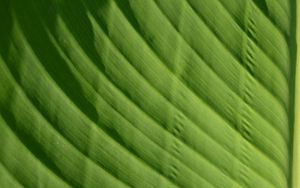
x: 147, y: 93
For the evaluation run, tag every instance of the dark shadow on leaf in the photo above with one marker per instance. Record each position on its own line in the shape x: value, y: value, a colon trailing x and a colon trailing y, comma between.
x: 6, y: 27
x: 51, y: 60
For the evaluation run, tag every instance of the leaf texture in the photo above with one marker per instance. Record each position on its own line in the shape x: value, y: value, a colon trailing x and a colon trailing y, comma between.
x: 146, y: 93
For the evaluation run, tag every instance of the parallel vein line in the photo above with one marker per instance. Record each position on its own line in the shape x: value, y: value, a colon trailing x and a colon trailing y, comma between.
x: 72, y: 145
x: 268, y: 123
x: 235, y: 57
x: 119, y: 113
x: 233, y: 129
x: 254, y: 109
x: 9, y: 172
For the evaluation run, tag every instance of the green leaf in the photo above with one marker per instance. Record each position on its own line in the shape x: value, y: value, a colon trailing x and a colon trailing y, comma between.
x: 140, y: 93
